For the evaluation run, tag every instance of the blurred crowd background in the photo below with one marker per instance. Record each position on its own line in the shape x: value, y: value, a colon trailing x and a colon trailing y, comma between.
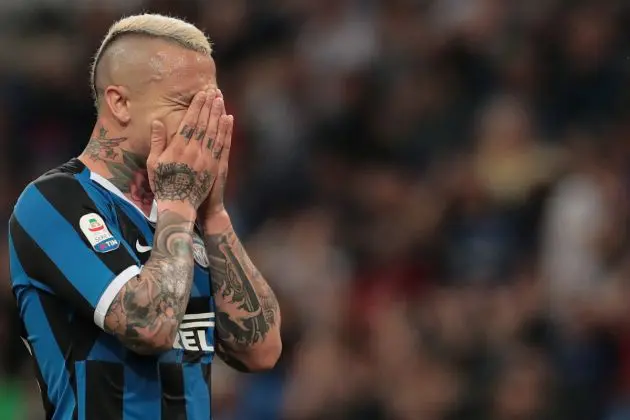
x: 436, y: 189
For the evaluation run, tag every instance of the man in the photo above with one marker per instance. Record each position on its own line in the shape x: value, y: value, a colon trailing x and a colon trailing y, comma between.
x: 122, y: 301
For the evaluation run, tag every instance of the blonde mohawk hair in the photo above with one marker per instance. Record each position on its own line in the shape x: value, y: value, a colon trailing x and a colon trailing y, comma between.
x: 152, y: 25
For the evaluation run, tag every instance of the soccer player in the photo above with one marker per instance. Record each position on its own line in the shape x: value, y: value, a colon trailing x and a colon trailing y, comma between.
x: 126, y: 270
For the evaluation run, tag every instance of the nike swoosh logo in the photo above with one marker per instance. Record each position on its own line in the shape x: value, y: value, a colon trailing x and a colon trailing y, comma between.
x: 141, y: 248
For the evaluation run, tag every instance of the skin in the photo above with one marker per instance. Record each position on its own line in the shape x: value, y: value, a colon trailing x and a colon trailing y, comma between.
x: 162, y: 133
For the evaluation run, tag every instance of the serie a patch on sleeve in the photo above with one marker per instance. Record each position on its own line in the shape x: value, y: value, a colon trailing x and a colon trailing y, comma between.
x: 95, y: 230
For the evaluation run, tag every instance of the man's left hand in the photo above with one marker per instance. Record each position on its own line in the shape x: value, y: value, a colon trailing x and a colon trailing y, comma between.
x: 214, y: 206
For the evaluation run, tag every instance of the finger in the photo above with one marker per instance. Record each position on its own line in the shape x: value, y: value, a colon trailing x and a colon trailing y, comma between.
x: 227, y: 144
x: 158, y: 139
x: 225, y: 155
x: 157, y: 146
x: 189, y: 123
x: 220, y: 95
x: 213, y: 122
x: 204, y: 114
x: 217, y: 147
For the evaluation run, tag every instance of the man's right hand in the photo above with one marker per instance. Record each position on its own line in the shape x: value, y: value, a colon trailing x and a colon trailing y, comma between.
x: 184, y: 170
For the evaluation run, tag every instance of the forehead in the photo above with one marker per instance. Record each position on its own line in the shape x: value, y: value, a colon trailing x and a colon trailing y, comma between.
x: 182, y: 72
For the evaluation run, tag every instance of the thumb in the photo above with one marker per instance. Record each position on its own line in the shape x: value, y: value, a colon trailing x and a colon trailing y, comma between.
x: 158, y: 138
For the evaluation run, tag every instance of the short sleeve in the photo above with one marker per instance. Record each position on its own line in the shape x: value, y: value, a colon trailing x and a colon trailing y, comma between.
x: 66, y: 244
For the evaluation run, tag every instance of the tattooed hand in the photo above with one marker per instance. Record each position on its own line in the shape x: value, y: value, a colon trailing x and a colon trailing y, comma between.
x: 184, y: 170
x: 214, y: 203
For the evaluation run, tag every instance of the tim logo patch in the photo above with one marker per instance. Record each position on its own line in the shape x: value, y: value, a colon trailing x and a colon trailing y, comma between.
x: 93, y: 227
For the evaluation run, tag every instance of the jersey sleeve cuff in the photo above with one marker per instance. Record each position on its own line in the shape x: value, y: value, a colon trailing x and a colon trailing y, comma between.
x: 110, y: 293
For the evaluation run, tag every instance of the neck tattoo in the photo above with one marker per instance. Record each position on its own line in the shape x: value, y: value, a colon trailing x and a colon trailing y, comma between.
x: 128, y: 170
x: 104, y: 148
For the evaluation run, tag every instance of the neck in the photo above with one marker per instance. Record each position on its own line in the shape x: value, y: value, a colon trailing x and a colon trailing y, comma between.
x: 109, y: 154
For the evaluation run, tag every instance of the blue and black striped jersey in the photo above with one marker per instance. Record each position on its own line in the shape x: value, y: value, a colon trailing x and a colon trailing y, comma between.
x: 74, y: 241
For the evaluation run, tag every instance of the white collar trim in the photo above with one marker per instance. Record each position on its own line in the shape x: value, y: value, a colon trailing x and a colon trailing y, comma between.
x: 105, y: 183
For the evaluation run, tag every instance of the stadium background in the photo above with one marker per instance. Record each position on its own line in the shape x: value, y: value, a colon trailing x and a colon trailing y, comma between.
x: 436, y: 189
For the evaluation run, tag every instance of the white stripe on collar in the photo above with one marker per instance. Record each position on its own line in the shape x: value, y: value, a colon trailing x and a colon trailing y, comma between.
x: 105, y: 183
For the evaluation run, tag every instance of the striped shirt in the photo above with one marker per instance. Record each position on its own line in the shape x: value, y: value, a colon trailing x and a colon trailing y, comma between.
x: 74, y: 242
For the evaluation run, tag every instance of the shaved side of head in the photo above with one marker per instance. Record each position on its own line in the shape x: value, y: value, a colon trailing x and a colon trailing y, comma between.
x: 130, y: 53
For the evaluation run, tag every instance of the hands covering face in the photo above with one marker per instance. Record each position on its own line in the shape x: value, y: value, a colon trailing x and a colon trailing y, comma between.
x: 192, y: 166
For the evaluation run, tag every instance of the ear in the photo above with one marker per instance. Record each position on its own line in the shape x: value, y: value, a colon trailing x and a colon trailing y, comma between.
x: 117, y: 101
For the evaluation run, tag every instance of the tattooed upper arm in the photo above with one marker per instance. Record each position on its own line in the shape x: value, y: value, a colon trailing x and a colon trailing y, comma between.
x: 146, y: 313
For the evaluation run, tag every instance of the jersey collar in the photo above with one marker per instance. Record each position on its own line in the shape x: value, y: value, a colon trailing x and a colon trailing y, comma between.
x: 105, y: 183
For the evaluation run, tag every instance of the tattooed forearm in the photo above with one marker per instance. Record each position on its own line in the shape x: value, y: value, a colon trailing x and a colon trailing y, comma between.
x: 247, y: 308
x: 146, y: 313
